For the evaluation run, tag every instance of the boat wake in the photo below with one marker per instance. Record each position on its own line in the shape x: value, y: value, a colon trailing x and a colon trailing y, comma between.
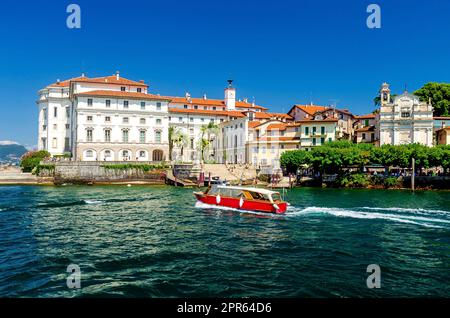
x: 93, y: 201
x: 422, y: 217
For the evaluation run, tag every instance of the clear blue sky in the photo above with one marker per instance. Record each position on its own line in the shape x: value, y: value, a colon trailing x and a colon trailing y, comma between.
x: 281, y: 52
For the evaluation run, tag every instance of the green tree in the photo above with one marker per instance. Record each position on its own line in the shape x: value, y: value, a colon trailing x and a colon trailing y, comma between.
x: 439, y: 93
x: 31, y: 159
x: 205, y: 139
x: 177, y: 138
x: 292, y: 160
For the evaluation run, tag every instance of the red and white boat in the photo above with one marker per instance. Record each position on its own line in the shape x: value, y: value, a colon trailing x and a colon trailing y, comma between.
x: 243, y: 198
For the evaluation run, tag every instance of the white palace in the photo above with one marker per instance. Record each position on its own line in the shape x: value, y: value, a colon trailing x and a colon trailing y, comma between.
x: 106, y: 118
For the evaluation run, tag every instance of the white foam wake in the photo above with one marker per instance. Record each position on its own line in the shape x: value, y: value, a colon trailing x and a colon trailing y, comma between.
x: 339, y: 212
x: 408, y: 210
x: 93, y: 201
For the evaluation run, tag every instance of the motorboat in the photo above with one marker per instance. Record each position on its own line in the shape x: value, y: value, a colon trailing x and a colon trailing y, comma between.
x: 243, y: 198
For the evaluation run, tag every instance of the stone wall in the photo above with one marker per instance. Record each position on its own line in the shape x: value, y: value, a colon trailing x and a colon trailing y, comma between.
x: 186, y: 171
x: 95, y: 172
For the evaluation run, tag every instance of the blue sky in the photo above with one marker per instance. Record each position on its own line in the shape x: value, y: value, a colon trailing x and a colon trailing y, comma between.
x: 280, y: 52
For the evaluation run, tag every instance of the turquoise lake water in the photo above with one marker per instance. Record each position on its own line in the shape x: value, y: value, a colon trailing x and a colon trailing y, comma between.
x: 157, y: 242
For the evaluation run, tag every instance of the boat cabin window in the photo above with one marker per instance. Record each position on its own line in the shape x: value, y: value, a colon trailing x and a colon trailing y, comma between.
x: 259, y: 196
x: 276, y: 197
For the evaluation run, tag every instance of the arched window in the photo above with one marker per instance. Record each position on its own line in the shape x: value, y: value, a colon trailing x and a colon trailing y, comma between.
x: 107, y: 153
x: 157, y: 155
x: 125, y: 154
x: 142, y: 154
x: 89, y: 154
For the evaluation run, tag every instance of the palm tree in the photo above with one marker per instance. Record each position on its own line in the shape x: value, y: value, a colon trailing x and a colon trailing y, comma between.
x: 177, y: 138
x: 208, y: 130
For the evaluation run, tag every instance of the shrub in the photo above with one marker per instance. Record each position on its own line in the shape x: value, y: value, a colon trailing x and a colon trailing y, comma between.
x: 40, y: 167
x: 143, y: 167
x: 390, y: 182
x: 31, y: 159
x: 354, y: 181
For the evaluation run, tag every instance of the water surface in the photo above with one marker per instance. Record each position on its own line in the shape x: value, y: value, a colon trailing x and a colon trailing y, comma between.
x: 156, y: 242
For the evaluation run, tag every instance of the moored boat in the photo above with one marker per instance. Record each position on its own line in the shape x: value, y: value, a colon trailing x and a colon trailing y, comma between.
x: 243, y: 198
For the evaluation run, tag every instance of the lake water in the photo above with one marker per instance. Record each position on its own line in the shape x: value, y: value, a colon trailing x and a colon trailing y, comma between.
x: 156, y: 242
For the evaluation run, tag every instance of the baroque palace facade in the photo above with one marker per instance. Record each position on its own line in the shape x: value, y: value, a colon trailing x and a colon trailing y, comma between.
x: 112, y: 118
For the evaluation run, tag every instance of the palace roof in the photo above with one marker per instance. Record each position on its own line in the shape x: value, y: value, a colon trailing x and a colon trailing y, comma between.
x: 229, y: 113
x: 113, y: 79
x: 212, y: 102
x: 120, y: 94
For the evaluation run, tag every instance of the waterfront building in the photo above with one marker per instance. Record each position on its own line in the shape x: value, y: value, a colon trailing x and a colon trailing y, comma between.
x: 405, y: 119
x: 345, y: 119
x: 365, y: 129
x: 191, y: 115
x: 443, y: 136
x: 442, y: 130
x: 317, y: 131
x: 259, y: 142
x: 106, y: 118
x: 227, y: 141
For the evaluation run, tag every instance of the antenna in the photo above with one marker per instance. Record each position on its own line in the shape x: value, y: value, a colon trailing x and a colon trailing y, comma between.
x: 334, y: 102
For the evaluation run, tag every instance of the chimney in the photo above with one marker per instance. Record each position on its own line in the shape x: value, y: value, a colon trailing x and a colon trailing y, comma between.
x: 251, y: 115
x: 83, y: 75
x: 188, y: 97
x: 117, y: 75
x: 246, y: 100
x: 58, y: 81
x: 230, y: 96
x: 204, y: 97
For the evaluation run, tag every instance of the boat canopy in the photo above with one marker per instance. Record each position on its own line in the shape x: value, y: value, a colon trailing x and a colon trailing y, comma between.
x: 252, y: 189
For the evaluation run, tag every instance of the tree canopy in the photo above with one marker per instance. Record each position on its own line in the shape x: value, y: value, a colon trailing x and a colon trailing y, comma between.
x: 440, y: 97
x: 334, y: 156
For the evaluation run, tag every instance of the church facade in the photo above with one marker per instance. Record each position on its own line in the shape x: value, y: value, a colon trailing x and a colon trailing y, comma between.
x: 404, y: 119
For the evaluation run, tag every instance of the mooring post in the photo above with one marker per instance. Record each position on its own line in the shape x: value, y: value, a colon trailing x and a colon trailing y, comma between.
x: 413, y: 174
x: 209, y: 179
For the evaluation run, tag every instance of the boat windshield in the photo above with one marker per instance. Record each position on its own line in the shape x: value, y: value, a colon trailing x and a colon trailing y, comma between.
x: 276, y: 197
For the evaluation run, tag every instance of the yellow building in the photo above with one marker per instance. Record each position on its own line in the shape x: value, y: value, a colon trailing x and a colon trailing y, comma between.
x: 443, y: 136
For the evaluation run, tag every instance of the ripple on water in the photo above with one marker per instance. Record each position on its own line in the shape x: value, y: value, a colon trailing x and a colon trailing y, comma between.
x: 156, y: 242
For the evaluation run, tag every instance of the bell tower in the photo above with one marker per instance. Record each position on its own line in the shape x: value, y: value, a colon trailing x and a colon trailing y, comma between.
x: 230, y: 96
x: 385, y: 94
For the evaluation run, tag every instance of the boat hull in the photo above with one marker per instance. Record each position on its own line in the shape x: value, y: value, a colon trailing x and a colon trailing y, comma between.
x: 247, y: 205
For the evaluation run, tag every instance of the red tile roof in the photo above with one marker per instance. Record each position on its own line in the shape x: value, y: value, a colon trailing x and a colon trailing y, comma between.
x: 253, y: 124
x: 441, y: 118
x: 365, y: 129
x: 228, y: 113
x: 277, y: 127
x: 311, y: 109
x: 103, y: 80
x: 312, y: 121
x: 368, y: 116
x: 212, y: 102
x: 120, y: 94
x: 278, y: 138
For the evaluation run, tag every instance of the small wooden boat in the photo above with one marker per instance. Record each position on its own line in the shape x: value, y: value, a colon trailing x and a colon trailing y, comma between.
x: 243, y: 198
